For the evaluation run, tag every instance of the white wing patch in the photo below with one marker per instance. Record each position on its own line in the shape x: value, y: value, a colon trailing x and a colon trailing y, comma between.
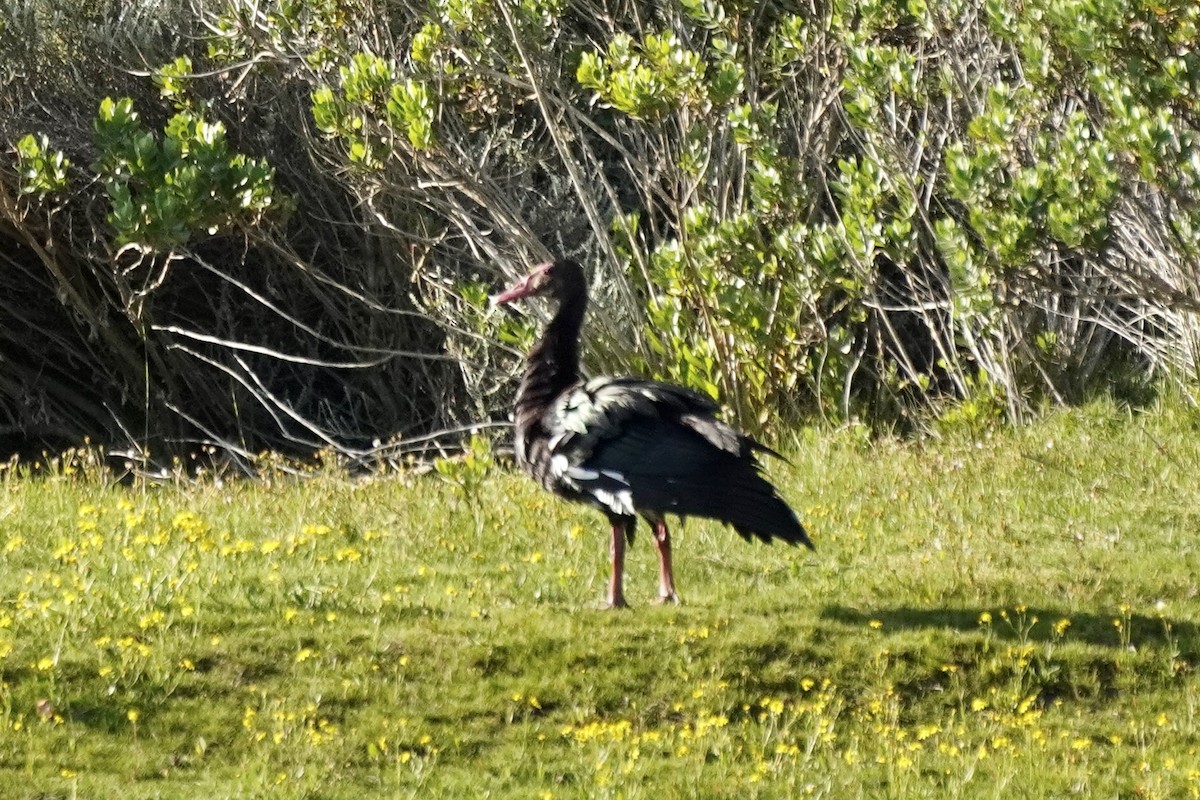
x: 559, y: 465
x: 579, y: 474
x: 608, y: 488
x: 620, y: 502
x: 575, y: 411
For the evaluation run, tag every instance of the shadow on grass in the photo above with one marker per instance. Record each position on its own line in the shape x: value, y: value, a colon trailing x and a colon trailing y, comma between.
x: 1137, y: 630
x: 110, y: 717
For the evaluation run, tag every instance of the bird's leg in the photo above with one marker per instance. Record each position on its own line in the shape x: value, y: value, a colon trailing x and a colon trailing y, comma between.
x: 666, y: 581
x: 616, y: 593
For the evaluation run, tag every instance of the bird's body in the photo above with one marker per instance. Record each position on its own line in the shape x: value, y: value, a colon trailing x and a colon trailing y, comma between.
x: 633, y: 447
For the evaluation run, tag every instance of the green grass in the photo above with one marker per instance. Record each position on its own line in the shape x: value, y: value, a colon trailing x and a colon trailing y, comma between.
x: 1007, y: 615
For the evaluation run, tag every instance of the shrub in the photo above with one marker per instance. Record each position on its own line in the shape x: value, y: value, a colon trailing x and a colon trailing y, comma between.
x: 864, y: 209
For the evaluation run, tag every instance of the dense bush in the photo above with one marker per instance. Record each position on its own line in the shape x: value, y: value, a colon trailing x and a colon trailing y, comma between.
x: 853, y: 208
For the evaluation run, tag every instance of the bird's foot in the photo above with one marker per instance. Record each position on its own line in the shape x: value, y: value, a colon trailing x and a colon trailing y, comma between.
x: 671, y: 599
x: 615, y: 603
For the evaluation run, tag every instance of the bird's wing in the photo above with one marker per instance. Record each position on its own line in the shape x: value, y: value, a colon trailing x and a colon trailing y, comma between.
x: 626, y: 445
x: 601, y: 408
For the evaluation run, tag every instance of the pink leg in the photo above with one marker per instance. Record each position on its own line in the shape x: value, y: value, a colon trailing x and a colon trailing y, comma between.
x: 666, y: 581
x: 616, y: 594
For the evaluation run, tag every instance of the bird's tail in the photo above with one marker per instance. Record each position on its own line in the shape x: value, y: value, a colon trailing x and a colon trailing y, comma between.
x: 749, y: 503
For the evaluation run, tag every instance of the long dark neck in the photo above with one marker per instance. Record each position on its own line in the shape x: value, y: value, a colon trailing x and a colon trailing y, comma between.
x: 553, y: 364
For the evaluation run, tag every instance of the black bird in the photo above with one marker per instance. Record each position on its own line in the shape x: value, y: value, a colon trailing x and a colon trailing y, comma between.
x: 629, y: 446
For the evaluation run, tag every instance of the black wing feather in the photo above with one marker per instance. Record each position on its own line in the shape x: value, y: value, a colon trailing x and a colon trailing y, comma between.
x: 671, y: 468
x: 660, y: 448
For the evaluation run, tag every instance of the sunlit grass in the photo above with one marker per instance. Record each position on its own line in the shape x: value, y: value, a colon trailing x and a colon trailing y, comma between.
x: 1007, y: 614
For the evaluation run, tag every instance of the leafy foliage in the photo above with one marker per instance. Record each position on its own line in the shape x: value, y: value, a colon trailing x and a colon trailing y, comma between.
x: 163, y: 193
x: 858, y: 210
x: 42, y: 171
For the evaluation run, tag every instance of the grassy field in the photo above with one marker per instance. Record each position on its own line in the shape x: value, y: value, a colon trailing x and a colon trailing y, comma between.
x: 1008, y: 614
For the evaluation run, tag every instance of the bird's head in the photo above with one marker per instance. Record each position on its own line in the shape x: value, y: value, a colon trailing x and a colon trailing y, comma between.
x: 557, y: 279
